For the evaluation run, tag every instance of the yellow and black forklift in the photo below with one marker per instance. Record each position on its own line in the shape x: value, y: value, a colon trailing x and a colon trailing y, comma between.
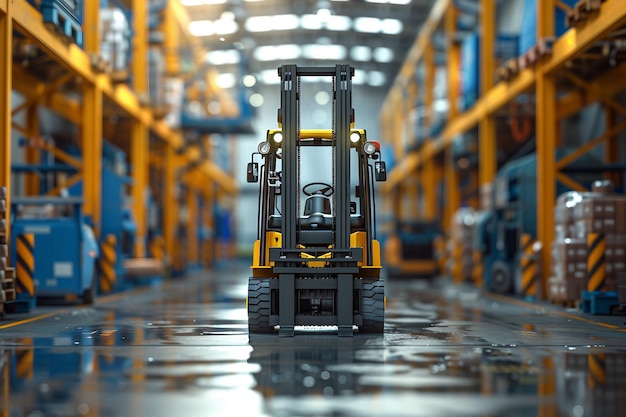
x: 316, y: 263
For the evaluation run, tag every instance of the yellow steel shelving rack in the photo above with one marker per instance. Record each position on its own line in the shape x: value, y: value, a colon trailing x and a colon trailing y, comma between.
x: 555, y: 101
x: 99, y: 96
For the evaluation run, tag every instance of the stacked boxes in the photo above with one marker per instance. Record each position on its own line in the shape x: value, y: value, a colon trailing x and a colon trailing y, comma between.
x: 577, y: 216
x: 7, y: 275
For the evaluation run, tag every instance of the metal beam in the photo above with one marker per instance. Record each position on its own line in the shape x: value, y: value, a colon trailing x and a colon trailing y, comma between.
x: 546, y: 132
x: 487, y: 164
x: 139, y: 156
x: 6, y: 59
x: 91, y: 143
x: 140, y: 46
x: 574, y: 42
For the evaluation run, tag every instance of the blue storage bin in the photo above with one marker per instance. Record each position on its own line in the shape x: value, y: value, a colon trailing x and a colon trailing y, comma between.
x: 528, y: 31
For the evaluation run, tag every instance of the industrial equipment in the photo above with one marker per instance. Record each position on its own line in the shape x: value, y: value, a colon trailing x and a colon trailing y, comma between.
x: 514, y: 213
x: 319, y: 266
x: 63, y: 247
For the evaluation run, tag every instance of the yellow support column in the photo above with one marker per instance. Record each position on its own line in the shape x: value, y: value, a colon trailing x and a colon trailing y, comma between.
x: 31, y: 154
x: 91, y: 26
x: 91, y: 121
x: 6, y: 64
x: 192, y: 226
x: 91, y: 138
x: 452, y: 197
x: 140, y: 47
x: 169, y: 201
x: 172, y: 40
x: 140, y: 149
x: 546, y: 144
x: 487, y: 163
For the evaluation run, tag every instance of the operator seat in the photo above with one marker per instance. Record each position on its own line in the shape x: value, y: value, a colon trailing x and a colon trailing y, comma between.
x: 317, y: 212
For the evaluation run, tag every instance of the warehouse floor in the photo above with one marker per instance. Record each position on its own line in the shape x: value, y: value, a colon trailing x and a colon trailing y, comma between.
x: 182, y: 349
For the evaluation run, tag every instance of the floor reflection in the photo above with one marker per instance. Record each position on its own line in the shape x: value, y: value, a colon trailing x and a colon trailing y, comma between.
x: 174, y: 352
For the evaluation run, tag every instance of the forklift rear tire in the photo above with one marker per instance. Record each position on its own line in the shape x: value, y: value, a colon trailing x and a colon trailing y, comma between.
x: 501, y: 278
x: 373, y: 299
x: 259, y: 306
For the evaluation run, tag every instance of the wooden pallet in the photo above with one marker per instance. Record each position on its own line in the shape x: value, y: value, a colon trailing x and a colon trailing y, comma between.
x: 582, y: 11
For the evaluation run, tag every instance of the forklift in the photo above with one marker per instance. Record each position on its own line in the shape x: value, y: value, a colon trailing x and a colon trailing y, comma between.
x: 316, y: 261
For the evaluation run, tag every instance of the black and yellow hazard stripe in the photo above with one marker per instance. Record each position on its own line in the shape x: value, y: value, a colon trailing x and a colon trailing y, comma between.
x: 528, y: 264
x: 25, y: 265
x: 25, y: 357
x: 108, y: 260
x: 596, y: 370
x: 596, y: 263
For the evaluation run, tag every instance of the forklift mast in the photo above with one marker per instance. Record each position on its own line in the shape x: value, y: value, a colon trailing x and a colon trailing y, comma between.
x: 289, y: 117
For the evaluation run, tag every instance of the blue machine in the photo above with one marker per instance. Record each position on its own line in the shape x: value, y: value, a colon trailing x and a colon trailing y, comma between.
x: 65, y: 249
x: 117, y: 217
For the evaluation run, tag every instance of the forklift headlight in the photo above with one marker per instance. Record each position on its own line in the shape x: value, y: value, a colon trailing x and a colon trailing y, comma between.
x: 355, y: 137
x: 369, y: 148
x: 264, y: 148
x: 278, y: 137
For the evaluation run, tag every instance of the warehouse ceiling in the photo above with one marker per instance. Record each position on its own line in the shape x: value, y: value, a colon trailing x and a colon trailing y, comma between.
x: 374, y: 36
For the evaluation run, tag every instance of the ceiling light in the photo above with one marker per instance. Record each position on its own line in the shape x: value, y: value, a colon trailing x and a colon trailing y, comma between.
x: 382, y: 54
x: 201, y: 2
x: 310, y: 22
x: 399, y: 2
x: 359, y: 78
x: 391, y: 26
x: 277, y: 52
x: 376, y: 78
x: 268, y: 23
x: 361, y: 53
x: 322, y: 98
x: 367, y: 24
x: 226, y: 80
x: 201, y: 28
x: 332, y: 52
x: 222, y: 57
x: 225, y: 26
x: 249, y: 81
x: 269, y: 77
x: 339, y: 23
x: 256, y: 100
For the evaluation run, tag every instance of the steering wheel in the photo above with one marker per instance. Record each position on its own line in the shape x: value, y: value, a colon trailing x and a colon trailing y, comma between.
x: 324, y: 189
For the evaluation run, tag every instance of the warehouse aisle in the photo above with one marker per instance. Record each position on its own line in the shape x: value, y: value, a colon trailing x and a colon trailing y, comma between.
x: 182, y: 349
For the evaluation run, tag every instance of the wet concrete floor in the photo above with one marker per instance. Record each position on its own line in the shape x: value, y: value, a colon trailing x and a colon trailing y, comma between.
x: 182, y: 349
